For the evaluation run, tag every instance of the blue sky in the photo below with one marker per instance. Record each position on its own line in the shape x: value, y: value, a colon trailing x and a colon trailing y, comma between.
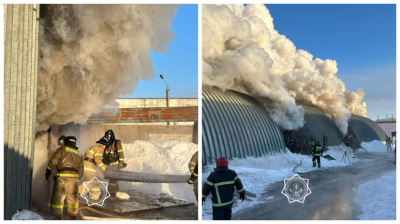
x: 361, y: 38
x: 179, y: 65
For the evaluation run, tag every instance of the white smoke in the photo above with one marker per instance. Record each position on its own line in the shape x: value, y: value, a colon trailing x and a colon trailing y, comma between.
x: 91, y: 54
x: 243, y: 51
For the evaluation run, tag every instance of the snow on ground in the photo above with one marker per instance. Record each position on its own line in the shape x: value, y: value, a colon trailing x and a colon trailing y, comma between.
x: 379, y: 203
x: 374, y: 146
x: 257, y: 173
x: 26, y: 215
x: 160, y: 157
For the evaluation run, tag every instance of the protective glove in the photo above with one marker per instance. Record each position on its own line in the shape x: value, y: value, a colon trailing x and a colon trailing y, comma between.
x: 48, y: 173
x: 103, y: 168
x: 242, y: 197
x: 190, y: 182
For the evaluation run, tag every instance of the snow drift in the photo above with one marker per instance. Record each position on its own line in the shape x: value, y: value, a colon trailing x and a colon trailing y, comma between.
x: 379, y: 203
x: 91, y: 54
x: 160, y: 157
x: 242, y: 51
x: 374, y: 146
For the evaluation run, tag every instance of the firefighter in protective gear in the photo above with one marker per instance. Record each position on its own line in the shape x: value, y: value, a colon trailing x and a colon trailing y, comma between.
x: 93, y: 158
x: 346, y: 140
x: 302, y: 145
x: 194, y: 174
x: 221, y: 184
x: 290, y: 142
x: 389, y: 144
x: 317, y: 153
x: 312, y: 144
x: 69, y: 165
x: 113, y: 157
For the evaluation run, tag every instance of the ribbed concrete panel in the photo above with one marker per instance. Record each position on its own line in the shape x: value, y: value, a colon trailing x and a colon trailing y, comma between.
x: 20, y: 79
x: 365, y: 130
x: 235, y: 125
x: 318, y: 123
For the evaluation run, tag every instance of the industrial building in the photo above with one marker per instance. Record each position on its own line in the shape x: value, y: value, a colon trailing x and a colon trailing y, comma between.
x: 235, y: 125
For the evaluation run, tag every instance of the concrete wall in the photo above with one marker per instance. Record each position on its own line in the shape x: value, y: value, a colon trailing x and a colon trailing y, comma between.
x: 388, y: 128
x: 21, y: 31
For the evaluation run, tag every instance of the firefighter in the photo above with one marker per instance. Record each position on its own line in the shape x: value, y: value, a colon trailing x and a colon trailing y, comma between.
x: 317, y: 153
x: 389, y: 144
x: 93, y: 158
x: 290, y: 142
x: 69, y: 165
x: 312, y: 144
x: 194, y: 174
x: 221, y: 183
x: 113, y: 157
x: 346, y: 140
x: 302, y: 145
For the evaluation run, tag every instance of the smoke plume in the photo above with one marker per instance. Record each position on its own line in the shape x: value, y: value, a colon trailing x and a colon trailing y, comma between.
x: 243, y: 51
x: 91, y: 54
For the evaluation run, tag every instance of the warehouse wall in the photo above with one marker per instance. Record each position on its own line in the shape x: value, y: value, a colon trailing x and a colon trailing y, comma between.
x: 365, y: 130
x: 235, y: 125
x: 21, y: 30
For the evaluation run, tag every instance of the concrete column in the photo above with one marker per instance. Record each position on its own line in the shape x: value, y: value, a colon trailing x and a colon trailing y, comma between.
x: 21, y: 26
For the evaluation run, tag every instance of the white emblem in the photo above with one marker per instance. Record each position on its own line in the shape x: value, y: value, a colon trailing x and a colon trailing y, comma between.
x: 296, y: 189
x: 95, y: 192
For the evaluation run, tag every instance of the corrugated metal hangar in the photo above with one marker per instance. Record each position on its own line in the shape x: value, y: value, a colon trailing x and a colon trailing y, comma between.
x: 235, y: 125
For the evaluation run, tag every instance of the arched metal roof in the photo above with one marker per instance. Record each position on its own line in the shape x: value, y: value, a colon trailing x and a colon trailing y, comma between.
x: 319, y: 123
x: 365, y: 130
x: 235, y: 125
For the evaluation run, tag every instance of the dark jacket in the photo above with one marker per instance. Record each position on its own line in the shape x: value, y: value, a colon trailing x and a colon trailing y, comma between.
x: 317, y: 150
x: 221, y: 183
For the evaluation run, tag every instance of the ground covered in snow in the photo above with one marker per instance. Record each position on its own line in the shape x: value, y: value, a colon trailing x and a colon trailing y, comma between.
x: 374, y: 146
x: 257, y: 173
x: 160, y: 157
x: 377, y: 198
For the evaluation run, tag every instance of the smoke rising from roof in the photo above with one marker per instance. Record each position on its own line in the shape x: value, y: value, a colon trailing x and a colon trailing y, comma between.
x: 242, y: 51
x: 91, y: 54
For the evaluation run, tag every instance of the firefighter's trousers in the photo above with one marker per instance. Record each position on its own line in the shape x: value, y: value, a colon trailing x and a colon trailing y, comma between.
x: 65, y: 189
x: 113, y: 185
x: 90, y: 172
x: 222, y: 213
x: 318, y: 158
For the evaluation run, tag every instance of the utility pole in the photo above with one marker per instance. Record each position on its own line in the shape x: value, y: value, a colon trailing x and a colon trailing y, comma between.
x: 167, y: 92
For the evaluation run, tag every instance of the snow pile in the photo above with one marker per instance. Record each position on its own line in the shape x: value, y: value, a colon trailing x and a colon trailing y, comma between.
x: 379, y: 203
x: 26, y: 215
x: 374, y: 146
x: 160, y: 157
x: 257, y: 173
